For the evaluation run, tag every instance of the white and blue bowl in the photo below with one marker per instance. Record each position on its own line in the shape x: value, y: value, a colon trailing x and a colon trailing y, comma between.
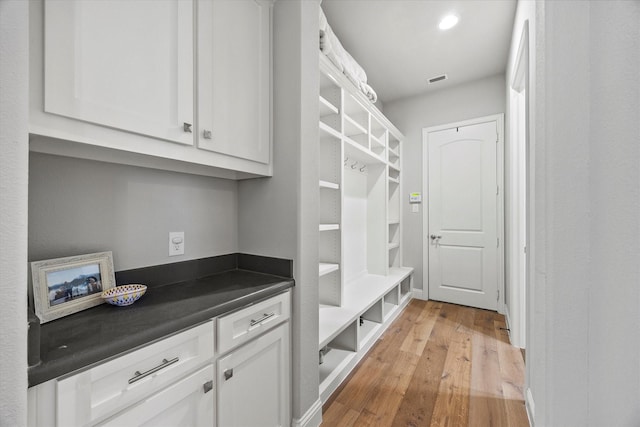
x: 123, y: 295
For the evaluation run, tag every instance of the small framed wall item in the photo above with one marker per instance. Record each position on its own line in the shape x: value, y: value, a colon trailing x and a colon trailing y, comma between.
x: 64, y: 286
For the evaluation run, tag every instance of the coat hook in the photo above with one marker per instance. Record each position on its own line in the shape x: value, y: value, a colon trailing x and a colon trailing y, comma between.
x: 345, y: 161
x: 354, y: 165
x: 362, y: 168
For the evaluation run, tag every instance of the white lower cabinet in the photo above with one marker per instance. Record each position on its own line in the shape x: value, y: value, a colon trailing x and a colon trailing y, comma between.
x: 187, y: 403
x: 181, y: 380
x: 253, y: 382
x: 93, y: 395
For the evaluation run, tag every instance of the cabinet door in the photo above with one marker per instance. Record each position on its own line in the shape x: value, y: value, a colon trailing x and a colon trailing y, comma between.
x: 234, y: 78
x: 124, y: 64
x: 187, y: 403
x: 253, y: 382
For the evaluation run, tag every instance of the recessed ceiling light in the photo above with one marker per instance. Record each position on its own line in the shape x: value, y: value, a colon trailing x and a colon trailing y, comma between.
x: 448, y: 21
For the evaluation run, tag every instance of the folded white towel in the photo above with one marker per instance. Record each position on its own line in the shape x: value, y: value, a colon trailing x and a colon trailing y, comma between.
x: 369, y: 92
x: 323, y: 20
x: 333, y: 49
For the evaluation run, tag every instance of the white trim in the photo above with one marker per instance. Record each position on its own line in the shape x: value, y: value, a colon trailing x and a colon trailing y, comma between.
x: 519, y: 260
x: 507, y: 321
x: 499, y: 119
x: 311, y: 418
x: 530, y: 407
x: 419, y: 294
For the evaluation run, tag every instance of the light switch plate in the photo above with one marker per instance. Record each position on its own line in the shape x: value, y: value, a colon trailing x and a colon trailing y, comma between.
x: 176, y: 243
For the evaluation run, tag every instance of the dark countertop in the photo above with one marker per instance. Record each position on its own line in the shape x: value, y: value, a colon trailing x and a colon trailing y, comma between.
x: 94, y: 335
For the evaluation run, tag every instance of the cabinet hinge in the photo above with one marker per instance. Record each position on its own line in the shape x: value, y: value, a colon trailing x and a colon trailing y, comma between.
x: 497, y: 242
x: 497, y: 190
x: 498, y: 295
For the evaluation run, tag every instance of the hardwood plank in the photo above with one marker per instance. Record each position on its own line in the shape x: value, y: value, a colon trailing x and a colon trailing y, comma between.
x: 395, y: 335
x: 439, y: 364
x: 486, y: 404
x: 512, y: 377
x: 387, y: 399
x: 419, y: 333
x: 366, y: 419
x: 341, y: 415
x: 364, y: 382
x: 420, y: 397
x: 452, y: 404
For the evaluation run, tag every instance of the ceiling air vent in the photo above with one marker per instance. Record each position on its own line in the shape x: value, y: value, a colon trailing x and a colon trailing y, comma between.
x: 437, y: 79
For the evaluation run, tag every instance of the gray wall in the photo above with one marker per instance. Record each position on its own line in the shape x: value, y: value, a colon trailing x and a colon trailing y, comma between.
x: 82, y: 206
x: 584, y: 300
x: 278, y: 216
x: 475, y: 99
x: 14, y: 90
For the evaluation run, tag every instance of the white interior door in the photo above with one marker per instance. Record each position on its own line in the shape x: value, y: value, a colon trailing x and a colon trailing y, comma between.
x: 463, y: 220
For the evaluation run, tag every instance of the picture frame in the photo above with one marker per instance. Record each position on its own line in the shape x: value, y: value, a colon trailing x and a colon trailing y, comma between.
x: 63, y: 286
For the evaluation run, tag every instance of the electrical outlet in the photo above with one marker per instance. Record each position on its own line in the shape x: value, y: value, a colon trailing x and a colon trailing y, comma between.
x: 176, y: 243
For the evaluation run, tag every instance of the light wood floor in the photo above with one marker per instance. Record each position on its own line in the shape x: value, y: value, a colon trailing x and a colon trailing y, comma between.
x: 437, y: 365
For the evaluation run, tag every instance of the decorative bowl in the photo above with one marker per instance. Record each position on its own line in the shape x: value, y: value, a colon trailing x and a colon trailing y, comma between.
x: 123, y: 295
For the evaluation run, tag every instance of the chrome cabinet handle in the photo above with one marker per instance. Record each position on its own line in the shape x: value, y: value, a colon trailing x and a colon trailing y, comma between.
x: 264, y: 317
x: 207, y: 387
x: 137, y: 375
x: 187, y: 127
x: 228, y: 374
x: 206, y: 134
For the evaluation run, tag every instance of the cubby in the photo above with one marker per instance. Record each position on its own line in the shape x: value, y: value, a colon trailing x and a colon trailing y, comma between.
x: 362, y: 283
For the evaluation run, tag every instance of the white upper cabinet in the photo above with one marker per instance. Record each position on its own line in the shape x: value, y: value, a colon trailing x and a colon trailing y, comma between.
x: 123, y: 64
x: 234, y: 75
x: 182, y: 85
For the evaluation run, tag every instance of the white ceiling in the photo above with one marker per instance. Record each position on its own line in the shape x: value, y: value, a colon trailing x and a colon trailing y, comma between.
x: 399, y: 45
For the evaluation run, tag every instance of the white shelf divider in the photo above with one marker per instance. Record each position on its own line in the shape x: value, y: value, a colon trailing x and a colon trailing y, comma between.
x: 328, y: 227
x: 326, y: 268
x: 327, y: 107
x: 330, y: 185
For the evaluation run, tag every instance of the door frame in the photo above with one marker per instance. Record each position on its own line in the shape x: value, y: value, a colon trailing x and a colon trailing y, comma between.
x: 499, y: 119
x: 519, y: 260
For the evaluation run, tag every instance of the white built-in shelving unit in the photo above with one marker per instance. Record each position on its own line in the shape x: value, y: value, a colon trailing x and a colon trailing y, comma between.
x: 362, y: 284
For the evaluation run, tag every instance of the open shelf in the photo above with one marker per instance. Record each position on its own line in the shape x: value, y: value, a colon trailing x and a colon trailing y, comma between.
x: 329, y: 185
x: 366, y: 331
x: 361, y: 284
x: 326, y: 268
x: 327, y: 108
x: 360, y: 295
x: 355, y: 151
x: 328, y: 227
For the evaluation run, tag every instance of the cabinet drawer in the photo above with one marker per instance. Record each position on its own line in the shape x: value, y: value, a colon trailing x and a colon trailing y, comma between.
x: 99, y: 392
x: 187, y: 403
x: 239, y: 327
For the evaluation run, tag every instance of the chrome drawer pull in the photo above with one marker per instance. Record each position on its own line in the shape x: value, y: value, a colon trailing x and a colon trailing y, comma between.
x: 137, y: 375
x: 264, y: 317
x: 207, y: 387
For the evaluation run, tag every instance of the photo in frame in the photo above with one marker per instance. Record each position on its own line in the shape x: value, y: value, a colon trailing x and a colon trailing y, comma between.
x: 64, y: 286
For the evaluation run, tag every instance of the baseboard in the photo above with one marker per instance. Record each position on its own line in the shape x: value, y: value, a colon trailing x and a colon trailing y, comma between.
x: 529, y: 405
x: 312, y: 418
x: 507, y: 320
x: 419, y: 294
